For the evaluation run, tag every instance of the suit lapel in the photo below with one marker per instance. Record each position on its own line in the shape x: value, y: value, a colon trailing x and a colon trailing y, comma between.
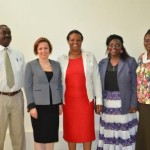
x: 53, y: 65
x: 53, y: 68
x: 42, y: 71
x: 103, y: 68
x: 120, y: 66
x: 65, y: 65
x: 105, y: 64
x: 84, y: 55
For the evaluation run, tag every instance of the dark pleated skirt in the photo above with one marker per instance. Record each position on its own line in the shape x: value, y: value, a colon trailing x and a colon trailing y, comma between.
x: 45, y: 128
x: 143, y: 134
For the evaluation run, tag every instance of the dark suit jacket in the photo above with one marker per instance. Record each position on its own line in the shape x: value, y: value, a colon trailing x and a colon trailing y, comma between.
x: 127, y: 81
x: 37, y: 85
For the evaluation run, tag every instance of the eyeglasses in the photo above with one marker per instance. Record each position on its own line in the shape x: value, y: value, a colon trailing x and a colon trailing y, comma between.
x: 115, y: 46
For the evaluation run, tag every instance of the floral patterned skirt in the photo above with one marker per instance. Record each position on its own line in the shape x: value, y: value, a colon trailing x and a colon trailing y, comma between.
x: 117, y: 131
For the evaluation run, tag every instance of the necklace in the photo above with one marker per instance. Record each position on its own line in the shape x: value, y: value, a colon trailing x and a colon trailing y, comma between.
x: 45, y: 66
x: 113, y: 68
x: 114, y: 64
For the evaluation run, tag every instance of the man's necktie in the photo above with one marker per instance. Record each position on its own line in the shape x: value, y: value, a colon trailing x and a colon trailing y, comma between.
x: 9, y: 71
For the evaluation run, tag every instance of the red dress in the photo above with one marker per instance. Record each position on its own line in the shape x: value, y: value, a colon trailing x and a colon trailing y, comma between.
x: 78, y: 112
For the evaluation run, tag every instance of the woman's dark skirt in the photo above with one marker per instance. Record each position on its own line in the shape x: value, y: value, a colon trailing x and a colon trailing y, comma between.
x: 143, y: 134
x: 45, y: 128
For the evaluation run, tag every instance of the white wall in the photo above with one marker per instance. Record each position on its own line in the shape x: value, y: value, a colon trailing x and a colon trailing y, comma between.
x: 96, y: 19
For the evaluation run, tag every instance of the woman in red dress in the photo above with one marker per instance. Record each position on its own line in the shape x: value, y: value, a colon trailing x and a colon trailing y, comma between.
x: 81, y: 83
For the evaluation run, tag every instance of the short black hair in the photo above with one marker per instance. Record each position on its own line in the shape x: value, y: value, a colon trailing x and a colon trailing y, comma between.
x: 3, y: 25
x: 74, y: 31
x: 148, y: 32
x: 112, y: 37
x: 124, y: 55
